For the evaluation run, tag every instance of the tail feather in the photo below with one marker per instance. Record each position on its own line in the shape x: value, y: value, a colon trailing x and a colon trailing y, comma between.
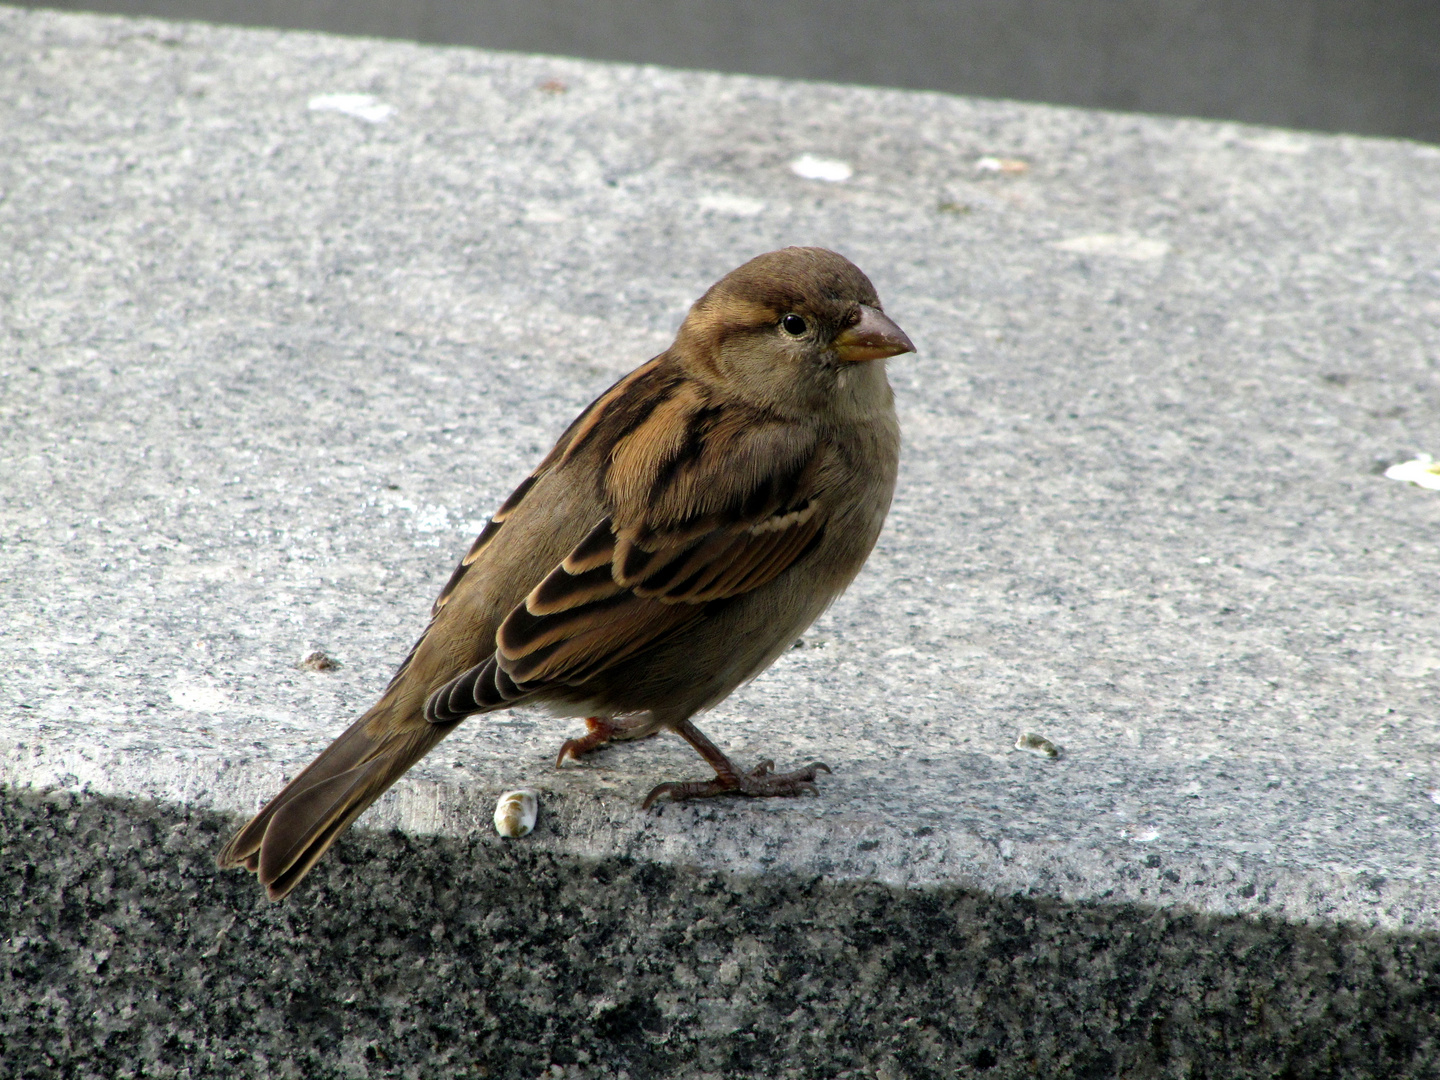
x: 305, y: 827
x: 347, y: 751
x: 295, y: 828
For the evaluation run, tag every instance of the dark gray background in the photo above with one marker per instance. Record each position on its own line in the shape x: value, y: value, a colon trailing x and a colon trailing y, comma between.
x: 265, y: 368
x: 1362, y: 66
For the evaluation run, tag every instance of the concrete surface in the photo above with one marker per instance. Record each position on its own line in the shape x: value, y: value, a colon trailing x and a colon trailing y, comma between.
x: 268, y: 365
x: 1369, y: 67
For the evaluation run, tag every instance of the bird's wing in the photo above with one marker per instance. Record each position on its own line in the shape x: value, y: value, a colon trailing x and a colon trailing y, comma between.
x: 708, y: 501
x: 581, y: 429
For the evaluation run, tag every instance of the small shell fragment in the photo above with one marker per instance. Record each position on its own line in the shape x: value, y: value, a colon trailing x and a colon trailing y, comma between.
x: 515, y: 813
x: 1035, y: 744
x: 365, y: 107
x: 1423, y: 471
x: 1119, y: 245
x: 1011, y: 166
x: 831, y: 170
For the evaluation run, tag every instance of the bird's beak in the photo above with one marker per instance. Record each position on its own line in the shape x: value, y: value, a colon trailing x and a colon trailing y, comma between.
x: 872, y: 338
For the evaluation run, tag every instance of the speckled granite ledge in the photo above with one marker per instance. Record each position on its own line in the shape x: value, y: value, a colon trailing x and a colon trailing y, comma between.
x: 287, y: 315
x: 427, y: 956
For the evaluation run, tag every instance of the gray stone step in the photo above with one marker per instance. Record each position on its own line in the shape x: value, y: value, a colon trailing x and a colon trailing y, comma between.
x: 272, y: 356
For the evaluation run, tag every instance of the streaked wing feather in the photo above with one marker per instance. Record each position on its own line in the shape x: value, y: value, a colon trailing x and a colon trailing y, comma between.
x: 708, y: 502
x: 573, y: 626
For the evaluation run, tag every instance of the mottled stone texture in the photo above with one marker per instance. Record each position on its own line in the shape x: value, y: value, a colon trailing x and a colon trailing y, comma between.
x: 128, y: 954
x: 266, y: 368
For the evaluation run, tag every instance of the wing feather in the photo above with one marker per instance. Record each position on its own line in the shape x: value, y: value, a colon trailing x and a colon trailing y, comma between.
x: 706, y: 503
x: 573, y: 626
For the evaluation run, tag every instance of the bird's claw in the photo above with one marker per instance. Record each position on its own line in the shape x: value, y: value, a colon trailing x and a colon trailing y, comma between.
x: 759, y: 782
x: 598, y: 735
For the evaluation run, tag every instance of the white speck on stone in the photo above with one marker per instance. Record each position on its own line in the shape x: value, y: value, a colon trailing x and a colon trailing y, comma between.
x: 1037, y: 745
x: 1416, y: 665
x: 1011, y: 166
x: 198, y: 697
x: 1145, y: 836
x: 544, y: 214
x: 830, y: 170
x: 1423, y: 472
x: 1280, y: 142
x: 515, y: 813
x: 365, y: 107
x: 1434, y: 794
x: 432, y: 519
x: 59, y: 646
x: 1118, y: 245
x: 721, y: 202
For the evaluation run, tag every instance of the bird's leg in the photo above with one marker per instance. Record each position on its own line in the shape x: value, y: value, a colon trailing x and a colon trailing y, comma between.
x: 728, y: 777
x: 601, y: 733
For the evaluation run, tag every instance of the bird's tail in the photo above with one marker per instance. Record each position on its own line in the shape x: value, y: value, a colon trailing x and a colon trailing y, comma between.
x: 297, y: 826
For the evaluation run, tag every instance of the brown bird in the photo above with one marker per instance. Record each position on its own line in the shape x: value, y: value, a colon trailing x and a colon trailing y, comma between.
x: 686, y: 528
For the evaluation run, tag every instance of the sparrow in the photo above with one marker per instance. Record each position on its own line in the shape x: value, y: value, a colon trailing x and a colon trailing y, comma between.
x: 684, y: 530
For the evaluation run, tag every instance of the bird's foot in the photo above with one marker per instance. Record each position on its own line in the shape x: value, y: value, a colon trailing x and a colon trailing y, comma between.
x: 600, y: 733
x: 759, y: 781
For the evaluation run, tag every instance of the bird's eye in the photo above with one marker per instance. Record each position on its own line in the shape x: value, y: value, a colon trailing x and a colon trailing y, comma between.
x: 793, y: 325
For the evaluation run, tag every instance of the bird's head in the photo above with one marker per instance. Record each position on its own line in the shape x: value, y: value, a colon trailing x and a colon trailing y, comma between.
x: 791, y: 329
